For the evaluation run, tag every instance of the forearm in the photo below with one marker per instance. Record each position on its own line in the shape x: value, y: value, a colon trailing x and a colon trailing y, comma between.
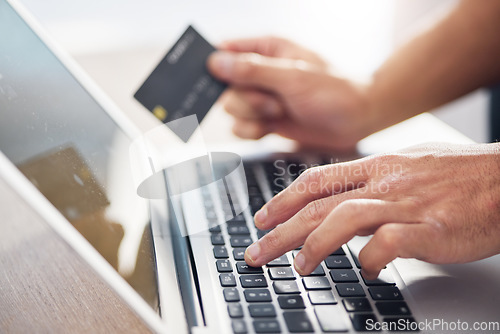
x: 458, y: 55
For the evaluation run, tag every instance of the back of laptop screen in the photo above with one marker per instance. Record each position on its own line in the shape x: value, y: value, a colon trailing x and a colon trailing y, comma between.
x: 73, y: 152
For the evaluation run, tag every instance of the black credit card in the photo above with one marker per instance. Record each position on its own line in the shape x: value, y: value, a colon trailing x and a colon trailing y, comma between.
x: 180, y: 85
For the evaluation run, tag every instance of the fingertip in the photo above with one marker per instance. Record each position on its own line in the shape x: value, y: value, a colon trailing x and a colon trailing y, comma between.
x: 212, y: 59
x: 260, y: 218
x: 212, y: 64
x: 249, y: 260
x: 300, y: 263
x: 221, y: 64
x: 252, y: 254
x: 369, y: 270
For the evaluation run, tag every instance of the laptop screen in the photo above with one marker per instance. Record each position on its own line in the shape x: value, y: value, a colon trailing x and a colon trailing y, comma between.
x: 73, y: 152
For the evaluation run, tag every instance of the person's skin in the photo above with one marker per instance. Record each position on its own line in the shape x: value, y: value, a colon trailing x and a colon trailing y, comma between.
x: 279, y: 87
x: 437, y: 203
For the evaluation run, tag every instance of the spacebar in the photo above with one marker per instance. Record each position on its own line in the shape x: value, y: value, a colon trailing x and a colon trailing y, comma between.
x: 331, y: 318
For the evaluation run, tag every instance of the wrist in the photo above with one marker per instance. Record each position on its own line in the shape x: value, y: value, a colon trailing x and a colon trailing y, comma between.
x: 391, y: 100
x: 377, y: 110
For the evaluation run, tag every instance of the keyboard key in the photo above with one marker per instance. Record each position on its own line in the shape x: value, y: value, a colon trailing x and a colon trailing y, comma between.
x: 356, y: 261
x: 220, y: 252
x: 343, y: 275
x: 357, y: 305
x: 239, y: 326
x: 240, y: 241
x: 284, y: 273
x: 253, y: 281
x: 338, y: 262
x: 236, y: 223
x: 227, y: 280
x: 385, y: 293
x: 318, y: 271
x: 217, y: 239
x: 316, y: 283
x: 215, y: 229
x: 256, y: 202
x: 279, y: 262
x: 291, y: 302
x: 384, y: 278
x: 237, y: 230
x: 236, y: 219
x: 257, y: 295
x: 322, y: 297
x: 262, y: 310
x: 361, y: 321
x: 244, y: 268
x: 266, y: 326
x: 298, y: 322
x: 285, y: 287
x: 253, y: 189
x: 231, y: 295
x: 235, y: 310
x: 331, y: 318
x: 250, y: 172
x: 350, y: 290
x: 339, y: 251
x: 392, y: 308
x: 224, y: 266
x: 276, y: 178
x: 239, y: 254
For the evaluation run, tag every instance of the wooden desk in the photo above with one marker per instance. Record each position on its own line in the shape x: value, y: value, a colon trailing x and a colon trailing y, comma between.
x: 45, y: 287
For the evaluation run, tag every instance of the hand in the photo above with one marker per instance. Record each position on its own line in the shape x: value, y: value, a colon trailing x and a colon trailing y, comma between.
x: 280, y: 87
x: 437, y: 203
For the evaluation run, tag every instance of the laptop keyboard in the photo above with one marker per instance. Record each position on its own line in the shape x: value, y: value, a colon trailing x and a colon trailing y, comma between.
x: 335, y: 297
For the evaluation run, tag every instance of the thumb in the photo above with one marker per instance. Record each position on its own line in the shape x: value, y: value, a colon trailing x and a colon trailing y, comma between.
x: 252, y: 69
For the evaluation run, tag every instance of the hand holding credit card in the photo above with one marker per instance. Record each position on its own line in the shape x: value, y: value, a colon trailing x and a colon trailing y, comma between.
x: 181, y: 85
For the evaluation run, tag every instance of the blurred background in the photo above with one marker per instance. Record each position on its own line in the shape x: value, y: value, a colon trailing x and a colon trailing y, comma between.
x: 119, y: 42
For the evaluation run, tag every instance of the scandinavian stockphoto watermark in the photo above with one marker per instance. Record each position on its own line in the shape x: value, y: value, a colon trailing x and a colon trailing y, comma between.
x: 432, y: 325
x: 335, y: 180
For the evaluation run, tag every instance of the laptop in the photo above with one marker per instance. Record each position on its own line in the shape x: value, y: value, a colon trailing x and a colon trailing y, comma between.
x: 65, y: 148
